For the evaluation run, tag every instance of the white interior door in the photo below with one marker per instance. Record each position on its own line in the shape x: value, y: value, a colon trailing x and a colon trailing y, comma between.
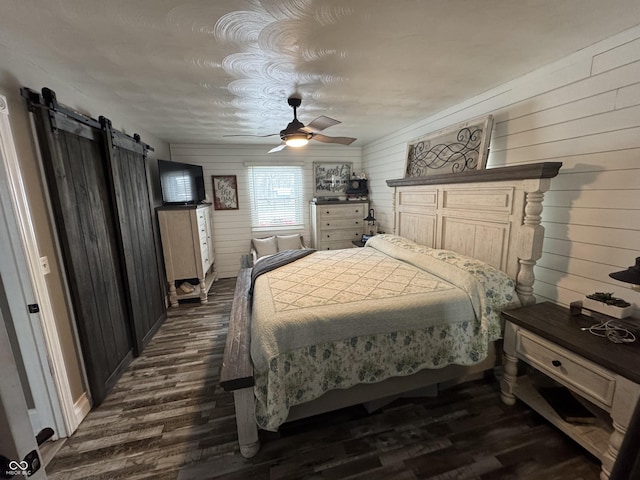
x: 23, y: 326
x: 16, y: 442
x: 10, y: 311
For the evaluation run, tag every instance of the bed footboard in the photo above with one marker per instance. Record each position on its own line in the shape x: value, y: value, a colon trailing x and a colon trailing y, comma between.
x: 236, y: 374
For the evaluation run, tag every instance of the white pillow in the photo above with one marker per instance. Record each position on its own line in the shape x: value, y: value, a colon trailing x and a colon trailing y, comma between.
x: 289, y: 242
x: 265, y: 246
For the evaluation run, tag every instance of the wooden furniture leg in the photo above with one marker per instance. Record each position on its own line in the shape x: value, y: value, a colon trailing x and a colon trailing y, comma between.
x: 203, y: 290
x: 173, y: 294
x: 246, y: 422
x: 627, y: 395
x: 510, y: 367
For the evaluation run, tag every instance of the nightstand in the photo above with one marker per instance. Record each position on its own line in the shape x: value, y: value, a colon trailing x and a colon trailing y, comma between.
x: 603, y: 374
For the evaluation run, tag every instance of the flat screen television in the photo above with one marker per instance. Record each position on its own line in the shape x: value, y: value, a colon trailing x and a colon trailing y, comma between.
x: 181, y: 183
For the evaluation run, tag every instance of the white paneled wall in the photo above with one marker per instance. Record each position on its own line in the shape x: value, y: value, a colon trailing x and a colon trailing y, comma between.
x: 232, y: 228
x: 584, y: 111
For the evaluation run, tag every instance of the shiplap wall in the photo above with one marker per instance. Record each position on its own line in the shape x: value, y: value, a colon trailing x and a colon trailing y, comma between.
x: 232, y: 228
x: 584, y: 111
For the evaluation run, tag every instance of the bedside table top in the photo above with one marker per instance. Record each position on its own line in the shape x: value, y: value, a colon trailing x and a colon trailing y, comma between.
x: 554, y: 323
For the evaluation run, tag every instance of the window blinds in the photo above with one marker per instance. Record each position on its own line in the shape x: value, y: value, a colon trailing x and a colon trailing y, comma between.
x: 276, y: 195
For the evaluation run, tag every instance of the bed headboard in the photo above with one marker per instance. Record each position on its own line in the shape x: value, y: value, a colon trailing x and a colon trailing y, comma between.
x: 493, y: 215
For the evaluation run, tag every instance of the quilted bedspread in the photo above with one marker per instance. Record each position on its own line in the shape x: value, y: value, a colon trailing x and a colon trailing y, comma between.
x: 337, y: 318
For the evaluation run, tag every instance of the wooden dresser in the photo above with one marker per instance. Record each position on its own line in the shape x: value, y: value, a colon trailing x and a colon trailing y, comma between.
x: 601, y: 373
x: 335, y: 224
x: 187, y: 245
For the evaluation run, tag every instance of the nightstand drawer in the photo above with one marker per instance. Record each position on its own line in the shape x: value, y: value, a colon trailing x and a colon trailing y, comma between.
x: 587, y: 378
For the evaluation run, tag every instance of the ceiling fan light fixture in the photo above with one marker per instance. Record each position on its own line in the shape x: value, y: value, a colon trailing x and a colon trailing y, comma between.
x: 296, y: 135
x: 297, y: 140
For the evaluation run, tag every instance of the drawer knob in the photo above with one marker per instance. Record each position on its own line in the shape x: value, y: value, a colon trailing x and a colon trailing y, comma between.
x: 556, y: 363
x: 328, y: 224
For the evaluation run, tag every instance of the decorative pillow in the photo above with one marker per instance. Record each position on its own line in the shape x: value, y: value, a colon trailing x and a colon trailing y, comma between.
x: 265, y: 246
x: 289, y: 242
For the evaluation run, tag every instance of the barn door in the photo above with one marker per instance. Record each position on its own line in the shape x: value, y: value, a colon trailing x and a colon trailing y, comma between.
x: 144, y: 286
x: 73, y: 154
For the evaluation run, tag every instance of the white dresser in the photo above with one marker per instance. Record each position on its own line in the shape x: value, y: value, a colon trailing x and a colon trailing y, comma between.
x: 187, y: 245
x: 335, y: 225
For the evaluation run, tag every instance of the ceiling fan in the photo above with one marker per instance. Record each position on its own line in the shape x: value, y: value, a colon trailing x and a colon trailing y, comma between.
x: 297, y: 134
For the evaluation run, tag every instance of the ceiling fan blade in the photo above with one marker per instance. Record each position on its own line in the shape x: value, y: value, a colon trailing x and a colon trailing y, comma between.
x: 320, y: 124
x: 278, y: 148
x: 249, y: 135
x: 340, y: 140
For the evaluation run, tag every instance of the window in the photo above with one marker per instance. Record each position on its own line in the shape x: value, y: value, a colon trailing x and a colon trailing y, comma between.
x: 276, y: 194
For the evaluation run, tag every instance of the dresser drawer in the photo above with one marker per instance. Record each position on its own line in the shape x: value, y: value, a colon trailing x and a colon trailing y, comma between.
x: 335, y: 245
x: 341, y: 211
x: 585, y: 377
x: 333, y: 223
x: 202, y: 227
x: 334, y: 235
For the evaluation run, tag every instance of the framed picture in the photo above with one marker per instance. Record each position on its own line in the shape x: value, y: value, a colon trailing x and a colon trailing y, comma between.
x: 331, y: 179
x: 225, y: 192
x: 456, y: 149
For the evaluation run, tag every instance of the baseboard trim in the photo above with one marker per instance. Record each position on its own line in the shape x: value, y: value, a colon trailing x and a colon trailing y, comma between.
x: 81, y: 408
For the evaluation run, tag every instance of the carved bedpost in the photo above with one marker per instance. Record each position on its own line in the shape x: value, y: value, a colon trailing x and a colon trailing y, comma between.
x: 531, y: 237
x: 395, y: 211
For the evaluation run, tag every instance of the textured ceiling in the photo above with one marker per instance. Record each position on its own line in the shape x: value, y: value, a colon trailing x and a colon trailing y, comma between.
x: 194, y: 71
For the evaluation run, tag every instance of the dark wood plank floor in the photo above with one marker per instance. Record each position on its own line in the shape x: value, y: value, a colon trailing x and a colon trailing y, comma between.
x: 167, y: 418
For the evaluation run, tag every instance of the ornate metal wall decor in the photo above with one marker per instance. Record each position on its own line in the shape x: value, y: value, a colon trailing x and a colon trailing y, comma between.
x: 456, y: 149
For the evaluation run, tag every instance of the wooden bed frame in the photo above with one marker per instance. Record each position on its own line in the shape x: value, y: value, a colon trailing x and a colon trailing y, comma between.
x: 493, y: 215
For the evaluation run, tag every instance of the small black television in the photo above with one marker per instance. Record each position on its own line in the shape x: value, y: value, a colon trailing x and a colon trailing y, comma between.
x: 181, y: 183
